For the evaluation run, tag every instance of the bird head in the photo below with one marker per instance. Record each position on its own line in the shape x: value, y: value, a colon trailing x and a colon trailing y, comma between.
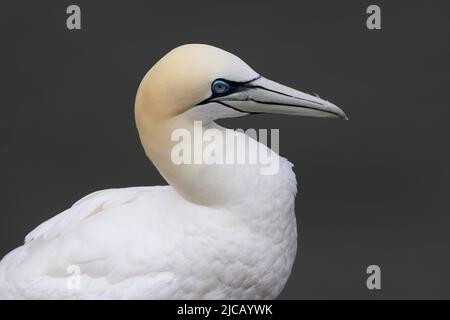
x: 205, y: 83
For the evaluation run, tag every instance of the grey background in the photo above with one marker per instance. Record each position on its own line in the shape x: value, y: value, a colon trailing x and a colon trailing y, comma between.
x: 373, y: 190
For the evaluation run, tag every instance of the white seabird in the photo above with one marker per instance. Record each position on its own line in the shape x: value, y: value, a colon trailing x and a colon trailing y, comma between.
x: 216, y: 232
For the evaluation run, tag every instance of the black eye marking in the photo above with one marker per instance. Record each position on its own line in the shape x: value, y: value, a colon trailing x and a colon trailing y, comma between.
x: 223, y: 87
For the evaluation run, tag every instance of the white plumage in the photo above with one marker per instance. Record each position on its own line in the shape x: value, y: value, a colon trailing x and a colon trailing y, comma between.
x: 150, y: 243
x: 218, y: 232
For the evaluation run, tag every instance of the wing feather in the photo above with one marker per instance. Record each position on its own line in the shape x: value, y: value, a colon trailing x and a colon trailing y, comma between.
x: 88, y: 206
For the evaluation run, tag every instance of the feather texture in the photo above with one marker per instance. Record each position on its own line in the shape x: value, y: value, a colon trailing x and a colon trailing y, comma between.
x: 150, y: 243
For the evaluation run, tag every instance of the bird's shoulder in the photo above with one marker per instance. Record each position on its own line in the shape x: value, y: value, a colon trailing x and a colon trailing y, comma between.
x: 93, y: 205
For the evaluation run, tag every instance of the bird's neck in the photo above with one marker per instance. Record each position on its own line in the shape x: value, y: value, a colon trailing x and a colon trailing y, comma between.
x: 204, y: 163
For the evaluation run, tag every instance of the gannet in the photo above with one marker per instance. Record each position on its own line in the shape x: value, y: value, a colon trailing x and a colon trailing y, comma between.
x: 217, y: 231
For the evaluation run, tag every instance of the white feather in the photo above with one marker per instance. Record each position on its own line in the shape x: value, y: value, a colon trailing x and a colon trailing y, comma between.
x: 150, y: 243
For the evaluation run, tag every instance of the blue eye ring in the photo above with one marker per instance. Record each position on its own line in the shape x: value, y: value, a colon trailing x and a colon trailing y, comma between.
x: 220, y: 87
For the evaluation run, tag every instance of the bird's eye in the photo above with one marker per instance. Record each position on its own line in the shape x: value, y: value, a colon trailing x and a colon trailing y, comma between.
x: 220, y: 87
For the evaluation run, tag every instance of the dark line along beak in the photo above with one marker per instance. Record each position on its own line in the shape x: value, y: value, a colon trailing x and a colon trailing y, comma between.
x: 265, y: 96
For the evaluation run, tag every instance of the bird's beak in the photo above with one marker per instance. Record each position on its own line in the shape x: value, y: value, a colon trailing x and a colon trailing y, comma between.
x: 265, y: 96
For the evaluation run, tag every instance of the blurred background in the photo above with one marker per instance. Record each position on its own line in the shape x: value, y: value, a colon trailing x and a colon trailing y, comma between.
x: 373, y: 190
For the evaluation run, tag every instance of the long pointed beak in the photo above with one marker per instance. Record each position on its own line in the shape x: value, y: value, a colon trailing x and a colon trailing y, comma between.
x: 265, y: 96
